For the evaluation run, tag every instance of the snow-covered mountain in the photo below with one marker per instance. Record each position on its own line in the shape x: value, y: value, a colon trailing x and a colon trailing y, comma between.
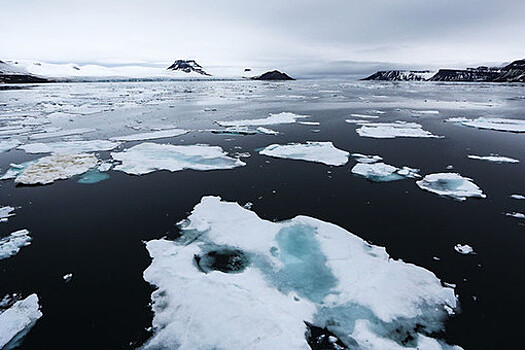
x: 188, y: 66
x: 401, y: 75
x: 480, y: 74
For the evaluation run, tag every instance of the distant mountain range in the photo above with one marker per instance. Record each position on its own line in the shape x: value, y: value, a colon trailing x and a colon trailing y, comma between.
x: 514, y: 72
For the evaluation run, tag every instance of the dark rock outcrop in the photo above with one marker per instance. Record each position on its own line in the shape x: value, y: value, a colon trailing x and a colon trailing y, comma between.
x: 480, y: 74
x: 188, y: 66
x: 399, y: 75
x: 273, y: 75
x: 514, y: 72
x: 10, y: 74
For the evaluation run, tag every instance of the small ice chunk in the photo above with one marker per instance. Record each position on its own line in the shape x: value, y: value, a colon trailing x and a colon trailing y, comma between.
x: 12, y: 244
x: 498, y: 124
x: 6, y: 145
x: 464, y: 249
x: 18, y: 320
x: 151, y: 135
x: 517, y: 196
x: 67, y: 277
x: 363, y: 158
x: 148, y: 157
x: 279, y: 118
x: 60, y: 133
x: 494, y: 158
x: 309, y: 123
x: 6, y: 212
x: 70, y: 146
x: 515, y: 214
x: 451, y: 185
x: 381, y: 172
x: 393, y: 130
x: 425, y: 112
x: 320, y: 152
x: 48, y: 169
x: 267, y: 131
x: 366, y: 116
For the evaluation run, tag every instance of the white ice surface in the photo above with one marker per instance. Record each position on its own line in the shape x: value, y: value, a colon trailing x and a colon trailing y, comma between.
x: 517, y: 196
x: 494, y: 158
x: 11, y: 245
x: 392, y: 130
x: 451, y: 185
x: 299, y: 270
x: 279, y: 118
x: 6, y: 212
x: 464, y: 249
x: 6, y: 145
x: 499, y: 124
x: 516, y: 214
x: 320, y: 152
x: 373, y: 169
x: 151, y: 135
x: 70, y: 146
x: 148, y: 157
x: 16, y: 321
x: 60, y: 133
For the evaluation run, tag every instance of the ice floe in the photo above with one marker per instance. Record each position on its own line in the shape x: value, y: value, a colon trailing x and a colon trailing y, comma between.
x: 12, y: 244
x: 319, y: 152
x: 60, y: 133
x: 236, y: 281
x: 373, y: 169
x: 366, y: 116
x: 6, y: 212
x: 6, y: 145
x: 516, y: 214
x: 393, y: 130
x: 464, y: 249
x: 451, y: 185
x: 494, y: 158
x: 151, y: 135
x: 70, y: 146
x: 48, y: 169
x: 279, y: 118
x: 148, y: 157
x: 498, y: 124
x: 17, y: 321
x: 309, y: 123
x: 244, y: 130
x: 517, y: 196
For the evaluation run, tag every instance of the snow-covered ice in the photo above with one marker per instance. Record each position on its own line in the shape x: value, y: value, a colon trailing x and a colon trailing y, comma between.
x: 70, y: 146
x: 464, y: 249
x: 373, y: 169
x: 309, y: 123
x: 366, y: 116
x: 451, y: 185
x: 60, y: 133
x: 151, y: 135
x: 279, y: 118
x: 517, y: 196
x: 17, y: 321
x: 148, y: 157
x: 236, y: 281
x: 11, y: 245
x: 516, y: 214
x: 498, y: 124
x: 494, y: 158
x: 6, y: 145
x: 67, y: 277
x: 6, y: 212
x: 392, y: 130
x: 320, y: 152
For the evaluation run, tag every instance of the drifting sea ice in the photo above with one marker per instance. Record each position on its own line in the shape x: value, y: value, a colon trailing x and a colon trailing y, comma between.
x: 148, y: 157
x: 151, y: 135
x: 451, y: 185
x: 279, y: 118
x: 48, y: 169
x: 319, y: 152
x: 494, y: 158
x: 6, y: 145
x: 517, y: 196
x: 236, y: 281
x: 17, y: 321
x: 371, y: 168
x: 515, y: 214
x: 393, y: 130
x: 498, y: 124
x: 11, y: 245
x: 46, y: 135
x: 70, y: 146
x: 6, y: 212
x: 464, y: 249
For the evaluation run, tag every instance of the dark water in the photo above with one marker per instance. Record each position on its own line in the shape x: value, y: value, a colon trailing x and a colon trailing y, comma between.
x: 97, y: 231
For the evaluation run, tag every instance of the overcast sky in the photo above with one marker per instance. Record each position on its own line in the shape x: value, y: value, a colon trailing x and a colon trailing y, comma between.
x: 271, y: 32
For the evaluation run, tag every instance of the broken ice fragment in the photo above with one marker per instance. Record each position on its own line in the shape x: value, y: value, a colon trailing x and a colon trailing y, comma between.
x: 18, y: 320
x: 6, y: 145
x: 494, y: 158
x: 67, y: 277
x: 148, y: 157
x: 498, y: 124
x: 371, y: 168
x: 464, y: 249
x: 151, y: 135
x: 451, y: 185
x: 12, y: 244
x: 6, y: 212
x: 393, y: 130
x: 279, y: 118
x: 320, y: 152
x: 517, y: 196
x: 515, y: 214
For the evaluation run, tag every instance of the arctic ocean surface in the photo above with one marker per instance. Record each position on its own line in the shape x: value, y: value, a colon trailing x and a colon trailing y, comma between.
x: 97, y: 231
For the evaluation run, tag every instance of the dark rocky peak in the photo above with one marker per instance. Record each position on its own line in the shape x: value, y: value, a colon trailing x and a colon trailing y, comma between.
x: 400, y: 75
x: 273, y: 75
x: 187, y: 66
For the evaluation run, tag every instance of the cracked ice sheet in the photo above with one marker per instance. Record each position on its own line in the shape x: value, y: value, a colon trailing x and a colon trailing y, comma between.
x: 148, y: 157
x: 494, y: 158
x: 70, y: 146
x: 498, y: 124
x: 279, y: 118
x: 296, y: 268
x: 11, y: 245
x: 393, y: 130
x: 48, y: 169
x: 319, y: 152
x: 151, y: 135
x: 18, y: 320
x: 451, y: 185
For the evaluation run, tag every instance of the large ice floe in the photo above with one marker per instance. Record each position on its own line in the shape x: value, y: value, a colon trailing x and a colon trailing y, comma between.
x: 393, y: 130
x: 151, y: 135
x: 148, y: 157
x: 48, y: 169
x: 6, y: 145
x: 498, y: 124
x: 373, y: 169
x: 11, y: 245
x: 451, y: 185
x: 17, y: 320
x: 320, y: 152
x: 494, y: 158
x: 235, y: 281
x: 279, y: 118
x: 70, y: 146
